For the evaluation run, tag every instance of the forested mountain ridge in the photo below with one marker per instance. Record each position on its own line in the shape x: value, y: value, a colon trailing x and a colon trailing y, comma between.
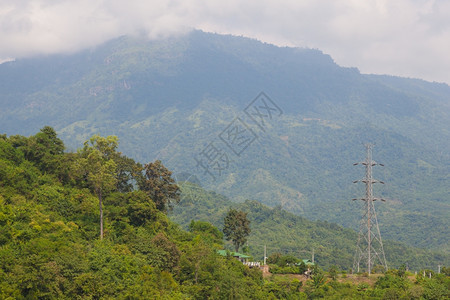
x: 49, y: 231
x: 50, y: 246
x: 169, y: 99
x: 283, y: 232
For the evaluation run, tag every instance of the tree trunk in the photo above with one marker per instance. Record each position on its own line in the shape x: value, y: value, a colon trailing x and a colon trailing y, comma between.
x: 197, y: 266
x: 99, y: 193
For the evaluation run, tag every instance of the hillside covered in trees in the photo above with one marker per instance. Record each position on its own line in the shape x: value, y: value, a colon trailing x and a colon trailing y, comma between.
x: 168, y: 99
x: 284, y: 232
x: 93, y: 224
x: 49, y: 230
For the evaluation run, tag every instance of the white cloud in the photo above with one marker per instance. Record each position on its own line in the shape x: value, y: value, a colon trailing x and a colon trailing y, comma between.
x: 403, y: 37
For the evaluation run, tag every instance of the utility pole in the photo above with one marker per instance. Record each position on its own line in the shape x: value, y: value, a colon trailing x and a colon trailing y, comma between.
x: 265, y: 254
x: 369, y: 249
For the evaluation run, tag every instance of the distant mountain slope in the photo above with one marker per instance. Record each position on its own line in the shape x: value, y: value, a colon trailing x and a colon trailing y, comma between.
x: 283, y: 232
x: 169, y: 99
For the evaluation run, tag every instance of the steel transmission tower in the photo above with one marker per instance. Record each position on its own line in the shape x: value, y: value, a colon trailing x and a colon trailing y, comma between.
x: 369, y: 249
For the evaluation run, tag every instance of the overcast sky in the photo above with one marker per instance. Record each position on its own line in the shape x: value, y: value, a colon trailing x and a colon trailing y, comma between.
x: 409, y: 38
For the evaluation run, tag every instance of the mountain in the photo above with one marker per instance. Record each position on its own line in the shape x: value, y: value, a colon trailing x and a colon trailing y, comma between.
x: 49, y: 235
x: 50, y: 246
x: 283, y: 232
x: 183, y: 100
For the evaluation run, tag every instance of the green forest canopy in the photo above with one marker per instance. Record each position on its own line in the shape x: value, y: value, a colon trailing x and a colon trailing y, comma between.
x: 50, y: 246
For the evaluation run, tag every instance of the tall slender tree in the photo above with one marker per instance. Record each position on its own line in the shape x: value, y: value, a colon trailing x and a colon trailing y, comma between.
x: 236, y: 227
x: 96, y: 165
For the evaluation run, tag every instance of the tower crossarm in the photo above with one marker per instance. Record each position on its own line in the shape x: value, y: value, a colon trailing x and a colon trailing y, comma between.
x: 373, y: 199
x: 368, y: 180
x: 364, y: 163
